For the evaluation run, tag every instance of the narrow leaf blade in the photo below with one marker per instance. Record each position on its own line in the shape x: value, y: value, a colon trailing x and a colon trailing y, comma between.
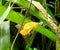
x: 5, y: 36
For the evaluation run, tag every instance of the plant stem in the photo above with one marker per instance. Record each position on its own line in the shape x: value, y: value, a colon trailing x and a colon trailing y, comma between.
x: 58, y: 31
x: 55, y: 6
x: 21, y: 26
x: 58, y: 44
x: 58, y: 39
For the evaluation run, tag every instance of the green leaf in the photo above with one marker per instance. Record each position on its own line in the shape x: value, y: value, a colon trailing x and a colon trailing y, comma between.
x: 30, y: 48
x: 5, y: 35
x: 46, y: 32
x: 33, y: 10
x: 3, y: 2
x: 35, y: 49
x: 2, y: 18
x: 0, y: 0
x: 17, y: 18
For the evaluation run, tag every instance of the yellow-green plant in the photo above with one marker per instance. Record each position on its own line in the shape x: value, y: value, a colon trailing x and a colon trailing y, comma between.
x: 40, y: 10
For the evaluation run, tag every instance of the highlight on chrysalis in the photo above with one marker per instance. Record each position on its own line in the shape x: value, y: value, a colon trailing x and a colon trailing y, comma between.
x: 28, y: 27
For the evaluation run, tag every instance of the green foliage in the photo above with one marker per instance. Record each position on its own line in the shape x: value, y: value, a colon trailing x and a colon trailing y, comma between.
x: 34, y: 11
x: 3, y: 17
x: 46, y: 32
x: 17, y: 17
x: 5, y: 35
x: 3, y: 2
